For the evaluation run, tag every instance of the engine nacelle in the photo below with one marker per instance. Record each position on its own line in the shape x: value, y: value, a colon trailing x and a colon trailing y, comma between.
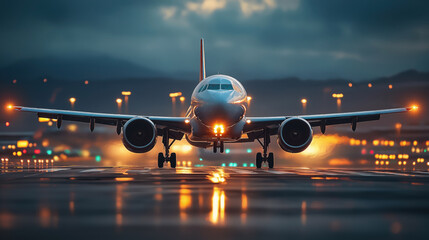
x: 139, y: 135
x: 295, y: 135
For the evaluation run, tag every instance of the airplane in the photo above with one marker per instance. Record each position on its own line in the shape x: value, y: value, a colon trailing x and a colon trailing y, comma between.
x: 216, y: 116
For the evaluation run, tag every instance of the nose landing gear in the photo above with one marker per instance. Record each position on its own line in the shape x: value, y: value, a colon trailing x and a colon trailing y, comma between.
x: 263, y: 157
x: 167, y: 158
x: 218, y: 144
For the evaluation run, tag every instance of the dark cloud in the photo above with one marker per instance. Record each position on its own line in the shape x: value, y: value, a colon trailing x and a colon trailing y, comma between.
x: 307, y: 38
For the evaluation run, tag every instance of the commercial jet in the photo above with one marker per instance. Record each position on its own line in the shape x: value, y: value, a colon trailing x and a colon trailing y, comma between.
x: 216, y: 116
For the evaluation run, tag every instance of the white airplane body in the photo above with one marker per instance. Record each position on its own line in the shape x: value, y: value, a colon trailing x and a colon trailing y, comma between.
x: 217, y: 115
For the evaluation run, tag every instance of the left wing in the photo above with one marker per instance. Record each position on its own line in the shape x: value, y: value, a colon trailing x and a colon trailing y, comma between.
x: 258, y: 124
x: 172, y: 123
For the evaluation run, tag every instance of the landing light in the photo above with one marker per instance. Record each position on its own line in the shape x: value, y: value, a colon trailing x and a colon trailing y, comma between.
x: 415, y: 107
x: 187, y: 121
x: 219, y: 128
x: 9, y: 107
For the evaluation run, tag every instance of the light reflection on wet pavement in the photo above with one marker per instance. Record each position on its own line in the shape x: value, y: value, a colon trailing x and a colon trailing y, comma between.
x: 183, y: 203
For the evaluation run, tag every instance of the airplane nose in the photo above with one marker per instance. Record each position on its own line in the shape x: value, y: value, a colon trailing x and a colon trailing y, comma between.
x: 226, y: 113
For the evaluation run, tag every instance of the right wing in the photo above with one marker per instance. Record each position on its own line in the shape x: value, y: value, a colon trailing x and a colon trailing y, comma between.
x: 258, y: 124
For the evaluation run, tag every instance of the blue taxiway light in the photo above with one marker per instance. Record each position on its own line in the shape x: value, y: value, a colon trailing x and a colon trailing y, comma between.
x: 98, y: 158
x: 249, y: 150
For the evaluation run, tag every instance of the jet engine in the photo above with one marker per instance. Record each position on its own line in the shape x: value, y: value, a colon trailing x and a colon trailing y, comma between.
x: 295, y: 135
x: 139, y: 135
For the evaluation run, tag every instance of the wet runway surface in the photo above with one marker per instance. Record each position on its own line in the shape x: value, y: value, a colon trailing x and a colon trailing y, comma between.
x: 184, y: 203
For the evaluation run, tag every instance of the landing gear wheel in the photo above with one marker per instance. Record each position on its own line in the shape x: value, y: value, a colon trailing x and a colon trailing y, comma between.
x: 270, y: 160
x: 258, y: 160
x: 221, y: 147
x: 215, y: 147
x: 173, y: 160
x: 161, y: 160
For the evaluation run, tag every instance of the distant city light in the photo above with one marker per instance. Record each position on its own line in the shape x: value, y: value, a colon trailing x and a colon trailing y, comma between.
x: 350, y: 84
x: 86, y: 82
x: 45, y: 80
x: 175, y: 94
x: 14, y: 81
x: 7, y: 124
x: 22, y: 143
x: 390, y: 86
x: 337, y: 95
x: 370, y: 85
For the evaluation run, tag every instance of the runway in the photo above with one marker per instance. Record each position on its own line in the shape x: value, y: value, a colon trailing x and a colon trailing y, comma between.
x: 69, y: 202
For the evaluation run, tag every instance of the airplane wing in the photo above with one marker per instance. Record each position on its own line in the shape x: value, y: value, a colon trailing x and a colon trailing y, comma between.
x: 257, y: 124
x: 172, y: 123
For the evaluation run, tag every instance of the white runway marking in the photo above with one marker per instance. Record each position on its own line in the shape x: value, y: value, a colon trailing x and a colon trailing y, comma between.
x: 93, y: 170
x: 53, y: 169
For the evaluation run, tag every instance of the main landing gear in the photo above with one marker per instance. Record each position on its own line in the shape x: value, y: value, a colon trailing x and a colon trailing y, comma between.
x: 263, y: 157
x: 218, y: 144
x: 167, y: 158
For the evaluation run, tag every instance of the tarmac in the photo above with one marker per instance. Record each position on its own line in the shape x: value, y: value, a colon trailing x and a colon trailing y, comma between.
x: 70, y: 202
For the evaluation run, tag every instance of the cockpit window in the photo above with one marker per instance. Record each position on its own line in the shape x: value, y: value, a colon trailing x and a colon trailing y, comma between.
x: 214, y: 87
x: 226, y: 86
x: 203, y: 88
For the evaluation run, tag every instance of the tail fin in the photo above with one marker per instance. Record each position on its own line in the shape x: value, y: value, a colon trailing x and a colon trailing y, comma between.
x: 202, y: 61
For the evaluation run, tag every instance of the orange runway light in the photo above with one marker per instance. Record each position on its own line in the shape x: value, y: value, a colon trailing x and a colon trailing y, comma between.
x: 370, y: 85
x: 182, y: 99
x: 126, y: 93
x: 350, y: 84
x: 118, y: 100
x: 72, y: 100
x: 303, y: 100
x: 7, y: 124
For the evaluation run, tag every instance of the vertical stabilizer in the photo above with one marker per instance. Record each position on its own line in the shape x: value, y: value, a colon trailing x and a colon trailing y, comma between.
x: 202, y: 61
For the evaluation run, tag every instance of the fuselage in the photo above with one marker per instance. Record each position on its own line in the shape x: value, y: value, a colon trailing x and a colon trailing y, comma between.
x: 217, y: 111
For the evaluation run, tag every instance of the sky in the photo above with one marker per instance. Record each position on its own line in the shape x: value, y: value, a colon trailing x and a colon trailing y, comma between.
x: 247, y: 39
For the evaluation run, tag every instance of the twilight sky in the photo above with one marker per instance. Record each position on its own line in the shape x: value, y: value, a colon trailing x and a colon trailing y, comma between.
x: 244, y: 38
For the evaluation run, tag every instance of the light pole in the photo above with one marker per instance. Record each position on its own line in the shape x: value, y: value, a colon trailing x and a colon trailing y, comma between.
x: 173, y: 100
x: 304, y: 105
x: 126, y: 94
x: 338, y: 96
x: 72, y: 100
x: 119, y: 102
x: 182, y: 106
